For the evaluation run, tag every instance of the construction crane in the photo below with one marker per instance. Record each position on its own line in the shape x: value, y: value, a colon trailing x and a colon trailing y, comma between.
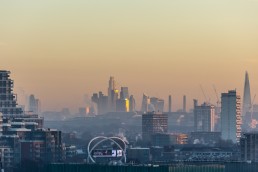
x: 206, y: 100
x: 217, y: 96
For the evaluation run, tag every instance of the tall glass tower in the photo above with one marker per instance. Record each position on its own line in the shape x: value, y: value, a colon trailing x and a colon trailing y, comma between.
x: 247, y: 96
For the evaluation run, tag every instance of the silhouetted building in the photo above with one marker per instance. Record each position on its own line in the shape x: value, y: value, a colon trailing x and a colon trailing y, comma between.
x: 204, y: 138
x: 34, y: 104
x: 249, y: 145
x: 169, y: 104
x: 111, y: 88
x: 204, y: 118
x: 132, y: 104
x: 122, y: 105
x: 231, y: 116
x: 247, y: 104
x: 158, y: 104
x: 153, y: 123
x: 145, y: 103
x: 42, y: 146
x: 124, y: 93
x: 138, y: 155
x: 184, y: 103
x: 8, y: 100
x: 101, y: 101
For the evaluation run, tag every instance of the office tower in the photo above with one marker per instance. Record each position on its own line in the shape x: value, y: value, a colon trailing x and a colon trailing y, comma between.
x: 124, y: 93
x: 157, y: 103
x: 169, y: 104
x: 101, y: 101
x: 247, y: 105
x: 34, y: 104
x: 204, y: 118
x: 145, y: 103
x: 195, y: 102
x: 153, y: 123
x: 184, y: 103
x: 114, y: 98
x: 132, y: 104
x: 249, y: 144
x: 111, y: 88
x: 230, y: 116
x: 247, y: 96
x: 122, y: 105
x: 8, y: 100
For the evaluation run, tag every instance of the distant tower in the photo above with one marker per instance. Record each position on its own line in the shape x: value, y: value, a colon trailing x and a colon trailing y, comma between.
x: 204, y: 118
x: 184, y: 103
x: 169, y: 104
x: 132, y: 104
x: 145, y: 103
x: 231, y: 118
x: 34, y: 104
x: 111, y: 88
x: 124, y: 94
x: 247, y: 96
x: 195, y: 102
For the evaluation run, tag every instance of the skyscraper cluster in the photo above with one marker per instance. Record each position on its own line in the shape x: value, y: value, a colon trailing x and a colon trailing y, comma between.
x: 22, y: 136
x: 152, y: 104
x: 115, y: 101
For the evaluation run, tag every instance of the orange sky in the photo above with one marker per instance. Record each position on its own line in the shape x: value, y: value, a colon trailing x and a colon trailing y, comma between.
x: 61, y: 50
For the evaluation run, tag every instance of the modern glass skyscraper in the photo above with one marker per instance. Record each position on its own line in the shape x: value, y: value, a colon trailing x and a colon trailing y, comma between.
x: 231, y: 118
x: 247, y: 96
x: 111, y: 89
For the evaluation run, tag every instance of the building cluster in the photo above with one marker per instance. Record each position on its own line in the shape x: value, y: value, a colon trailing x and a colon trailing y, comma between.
x: 23, y: 140
x: 115, y: 101
x: 207, y: 133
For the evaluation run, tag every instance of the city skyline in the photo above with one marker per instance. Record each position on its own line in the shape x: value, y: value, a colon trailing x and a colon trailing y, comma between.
x: 157, y: 48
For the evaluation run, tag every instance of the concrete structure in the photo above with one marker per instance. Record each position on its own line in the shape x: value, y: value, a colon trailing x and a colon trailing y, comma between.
x: 6, y: 157
x: 101, y: 101
x: 34, y: 105
x: 132, y: 104
x: 169, y: 104
x: 138, y: 155
x: 231, y: 119
x: 8, y: 100
x: 204, y: 138
x: 122, y: 105
x: 167, y: 139
x: 158, y: 104
x: 111, y: 88
x: 145, y: 103
x: 153, y: 123
x: 124, y: 93
x: 249, y: 147
x: 184, y: 103
x: 204, y: 118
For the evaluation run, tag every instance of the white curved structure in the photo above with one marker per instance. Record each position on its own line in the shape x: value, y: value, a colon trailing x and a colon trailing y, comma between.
x: 103, y: 139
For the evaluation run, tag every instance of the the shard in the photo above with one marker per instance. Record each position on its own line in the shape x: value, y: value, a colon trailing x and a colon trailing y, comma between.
x: 247, y: 96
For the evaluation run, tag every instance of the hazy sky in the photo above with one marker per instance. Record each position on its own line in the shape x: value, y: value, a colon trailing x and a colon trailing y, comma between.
x: 60, y: 50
